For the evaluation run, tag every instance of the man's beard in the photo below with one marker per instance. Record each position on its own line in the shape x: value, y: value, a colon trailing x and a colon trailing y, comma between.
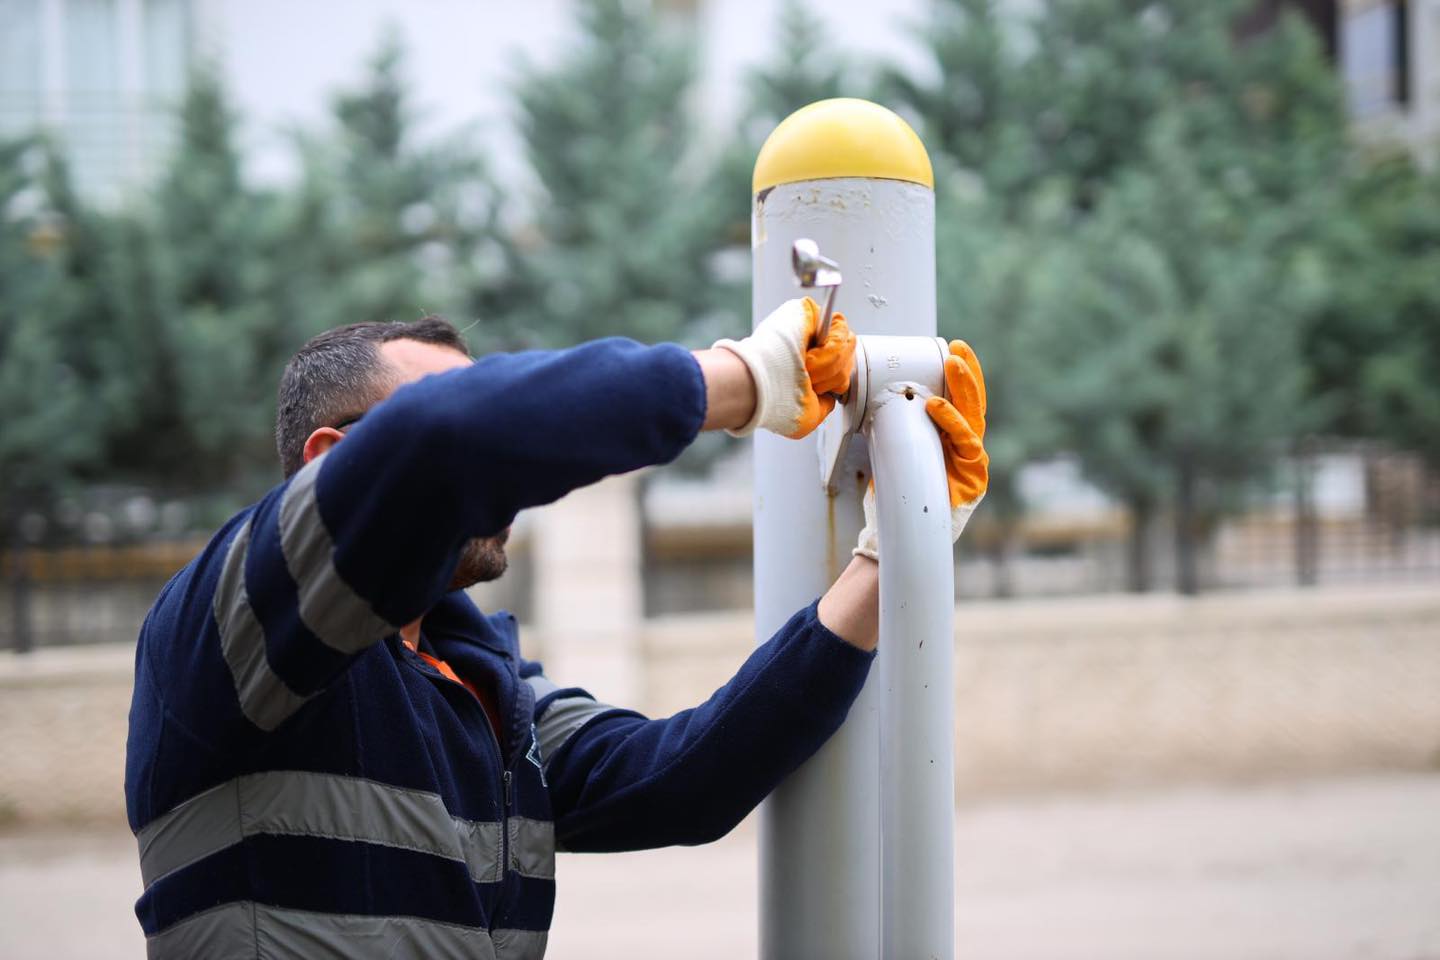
x: 481, y: 560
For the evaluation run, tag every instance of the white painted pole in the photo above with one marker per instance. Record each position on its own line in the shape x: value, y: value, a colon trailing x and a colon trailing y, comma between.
x: 853, y: 177
x: 820, y: 847
x: 916, y: 661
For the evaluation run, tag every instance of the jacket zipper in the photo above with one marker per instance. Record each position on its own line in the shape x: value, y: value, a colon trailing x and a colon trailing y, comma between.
x: 505, y: 784
x: 505, y: 830
x: 506, y: 777
x: 505, y: 794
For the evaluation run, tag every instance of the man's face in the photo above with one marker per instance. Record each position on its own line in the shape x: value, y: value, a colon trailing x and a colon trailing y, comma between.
x: 483, y: 557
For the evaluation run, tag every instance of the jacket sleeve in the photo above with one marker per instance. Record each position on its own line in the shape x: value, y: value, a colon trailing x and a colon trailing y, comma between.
x: 366, y: 538
x: 621, y: 782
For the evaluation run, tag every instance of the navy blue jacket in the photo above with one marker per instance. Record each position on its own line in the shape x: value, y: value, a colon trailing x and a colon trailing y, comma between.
x: 303, y: 784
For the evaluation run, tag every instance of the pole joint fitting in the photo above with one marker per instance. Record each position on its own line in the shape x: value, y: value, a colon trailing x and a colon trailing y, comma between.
x: 885, y: 366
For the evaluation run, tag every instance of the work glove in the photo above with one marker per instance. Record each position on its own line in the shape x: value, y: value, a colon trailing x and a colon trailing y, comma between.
x: 961, y: 422
x: 795, y: 383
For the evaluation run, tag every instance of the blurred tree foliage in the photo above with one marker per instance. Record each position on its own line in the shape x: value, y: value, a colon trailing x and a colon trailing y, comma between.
x: 52, y: 430
x: 383, y: 225
x: 1138, y: 263
x: 623, y: 225
x: 1172, y: 263
x: 1373, y: 347
x: 198, y: 333
x: 996, y: 226
x: 802, y: 68
x: 990, y: 271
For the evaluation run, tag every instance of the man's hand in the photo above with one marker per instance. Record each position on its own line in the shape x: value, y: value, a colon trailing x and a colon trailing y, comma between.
x: 961, y: 422
x: 794, y: 382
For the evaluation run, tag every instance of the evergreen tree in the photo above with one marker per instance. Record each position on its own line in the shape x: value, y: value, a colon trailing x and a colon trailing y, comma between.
x: 989, y: 267
x: 1109, y: 285
x: 1189, y: 379
x: 51, y: 431
x: 991, y: 230
x: 162, y: 313
x: 976, y: 100
x: 167, y: 298
x: 803, y: 67
x: 622, y: 233
x: 1373, y: 343
x: 1128, y: 108
x: 218, y: 336
x: 1401, y: 379
x: 381, y: 225
x: 50, y: 434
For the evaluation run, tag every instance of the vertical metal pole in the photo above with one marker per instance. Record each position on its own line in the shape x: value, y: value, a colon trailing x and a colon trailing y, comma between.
x: 855, y: 178
x: 916, y: 661
x: 819, y: 856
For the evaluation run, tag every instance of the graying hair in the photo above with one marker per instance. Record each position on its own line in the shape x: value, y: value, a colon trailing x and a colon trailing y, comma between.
x: 339, y: 374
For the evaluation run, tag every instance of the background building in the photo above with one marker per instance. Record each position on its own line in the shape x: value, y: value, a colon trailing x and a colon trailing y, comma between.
x: 1390, y: 59
x: 107, y: 75
x: 104, y: 76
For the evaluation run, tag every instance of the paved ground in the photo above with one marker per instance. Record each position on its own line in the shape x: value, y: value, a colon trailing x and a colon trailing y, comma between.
x: 1316, y: 870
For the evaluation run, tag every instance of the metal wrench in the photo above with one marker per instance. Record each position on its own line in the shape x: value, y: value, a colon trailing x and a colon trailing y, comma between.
x: 814, y: 271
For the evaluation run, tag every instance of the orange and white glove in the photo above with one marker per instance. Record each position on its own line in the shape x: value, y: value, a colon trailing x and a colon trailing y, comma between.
x: 794, y: 381
x: 961, y: 422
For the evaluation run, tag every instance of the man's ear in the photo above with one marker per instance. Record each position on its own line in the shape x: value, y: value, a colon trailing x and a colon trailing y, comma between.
x: 321, y: 440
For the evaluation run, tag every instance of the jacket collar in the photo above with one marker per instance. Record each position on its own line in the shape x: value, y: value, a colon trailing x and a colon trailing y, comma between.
x: 457, y: 620
x: 470, y: 641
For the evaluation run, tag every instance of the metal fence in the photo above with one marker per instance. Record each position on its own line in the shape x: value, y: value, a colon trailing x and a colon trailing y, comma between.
x: 1384, y: 527
x: 1368, y: 516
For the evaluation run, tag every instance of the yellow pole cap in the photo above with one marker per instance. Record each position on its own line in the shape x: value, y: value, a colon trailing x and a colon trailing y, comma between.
x: 843, y: 137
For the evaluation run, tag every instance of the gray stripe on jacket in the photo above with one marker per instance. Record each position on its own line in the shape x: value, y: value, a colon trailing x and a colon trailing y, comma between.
x: 331, y: 610
x: 520, y: 944
x: 561, y: 717
x: 265, y: 699
x: 245, y: 931
x: 532, y: 847
x: 297, y: 803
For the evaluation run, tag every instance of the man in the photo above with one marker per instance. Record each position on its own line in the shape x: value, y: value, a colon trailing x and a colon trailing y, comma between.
x: 332, y: 752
